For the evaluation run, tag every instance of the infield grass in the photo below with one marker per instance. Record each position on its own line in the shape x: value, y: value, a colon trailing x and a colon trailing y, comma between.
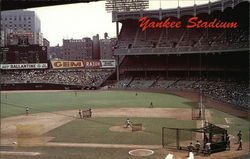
x: 96, y: 130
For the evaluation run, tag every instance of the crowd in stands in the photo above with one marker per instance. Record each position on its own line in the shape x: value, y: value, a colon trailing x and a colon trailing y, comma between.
x: 235, y: 92
x: 81, y: 77
x: 133, y: 40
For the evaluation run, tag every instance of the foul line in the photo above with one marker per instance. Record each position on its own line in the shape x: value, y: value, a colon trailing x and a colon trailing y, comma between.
x: 19, y: 153
x: 94, y: 145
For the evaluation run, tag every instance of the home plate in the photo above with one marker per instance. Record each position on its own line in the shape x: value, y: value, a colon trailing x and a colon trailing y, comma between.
x: 19, y: 153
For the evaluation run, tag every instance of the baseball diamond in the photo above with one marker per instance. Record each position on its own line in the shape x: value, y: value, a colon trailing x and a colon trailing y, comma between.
x: 61, y: 127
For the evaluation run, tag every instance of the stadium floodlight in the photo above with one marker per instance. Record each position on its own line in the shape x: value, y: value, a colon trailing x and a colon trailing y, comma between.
x: 126, y: 5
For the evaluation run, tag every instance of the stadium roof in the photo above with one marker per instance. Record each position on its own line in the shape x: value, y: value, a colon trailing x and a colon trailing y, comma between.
x: 24, y: 4
x: 177, y: 12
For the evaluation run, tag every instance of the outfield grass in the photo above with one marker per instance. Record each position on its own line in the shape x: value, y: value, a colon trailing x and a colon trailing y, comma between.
x: 13, y: 104
x: 97, y: 131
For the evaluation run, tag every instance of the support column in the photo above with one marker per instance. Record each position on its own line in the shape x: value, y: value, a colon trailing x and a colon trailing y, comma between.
x: 162, y: 137
x: 117, y: 68
x: 117, y: 30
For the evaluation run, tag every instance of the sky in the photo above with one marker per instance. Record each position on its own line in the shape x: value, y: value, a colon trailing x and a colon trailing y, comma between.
x: 88, y: 19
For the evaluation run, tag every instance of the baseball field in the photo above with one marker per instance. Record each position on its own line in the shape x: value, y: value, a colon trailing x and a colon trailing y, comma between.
x: 53, y: 128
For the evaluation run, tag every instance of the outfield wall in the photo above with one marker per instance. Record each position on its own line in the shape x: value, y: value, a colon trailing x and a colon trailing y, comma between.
x: 43, y: 86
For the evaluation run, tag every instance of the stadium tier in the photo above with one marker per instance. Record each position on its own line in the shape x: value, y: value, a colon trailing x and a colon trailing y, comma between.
x: 164, y: 39
x: 155, y: 55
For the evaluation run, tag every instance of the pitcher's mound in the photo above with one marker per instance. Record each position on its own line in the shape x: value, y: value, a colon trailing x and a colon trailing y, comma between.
x: 121, y: 128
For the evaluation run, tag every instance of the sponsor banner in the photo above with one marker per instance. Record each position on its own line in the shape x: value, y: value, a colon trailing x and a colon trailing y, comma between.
x: 108, y: 63
x: 67, y: 64
x: 30, y: 35
x: 24, y: 66
x: 92, y: 63
x: 87, y: 64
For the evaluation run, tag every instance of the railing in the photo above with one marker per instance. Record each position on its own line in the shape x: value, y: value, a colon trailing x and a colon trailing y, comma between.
x: 178, y: 50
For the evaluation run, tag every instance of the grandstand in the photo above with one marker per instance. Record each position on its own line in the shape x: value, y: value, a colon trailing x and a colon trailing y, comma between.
x: 78, y: 78
x: 212, y: 59
x: 134, y: 41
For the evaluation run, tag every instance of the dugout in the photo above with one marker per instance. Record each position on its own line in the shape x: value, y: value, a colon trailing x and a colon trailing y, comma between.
x: 179, y: 138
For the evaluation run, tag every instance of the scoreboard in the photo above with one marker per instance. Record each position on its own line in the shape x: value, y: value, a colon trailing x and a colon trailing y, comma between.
x: 126, y: 5
x: 18, y: 54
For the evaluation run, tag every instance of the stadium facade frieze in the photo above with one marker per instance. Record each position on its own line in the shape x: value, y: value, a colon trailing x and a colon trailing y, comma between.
x: 193, y: 22
x: 177, y: 12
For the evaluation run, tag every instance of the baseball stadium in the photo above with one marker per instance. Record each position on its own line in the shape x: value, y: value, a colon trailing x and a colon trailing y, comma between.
x: 170, y: 93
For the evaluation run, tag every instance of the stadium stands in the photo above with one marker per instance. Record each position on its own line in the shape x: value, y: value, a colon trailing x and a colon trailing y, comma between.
x: 132, y: 40
x: 212, y: 59
x: 81, y: 77
x: 235, y: 92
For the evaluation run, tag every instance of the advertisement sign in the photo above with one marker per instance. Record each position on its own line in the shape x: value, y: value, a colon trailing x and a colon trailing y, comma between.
x: 87, y: 64
x: 24, y: 66
x: 108, y: 63
x: 67, y: 64
x: 92, y: 63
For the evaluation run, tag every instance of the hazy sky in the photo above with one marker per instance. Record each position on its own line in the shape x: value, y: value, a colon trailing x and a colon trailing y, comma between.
x: 87, y: 19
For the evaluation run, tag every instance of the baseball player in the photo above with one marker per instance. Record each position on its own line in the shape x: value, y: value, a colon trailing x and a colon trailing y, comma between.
x: 200, y: 113
x: 197, y: 146
x: 90, y: 113
x: 128, y: 123
x: 27, y: 111
x: 239, y: 136
x: 208, y: 148
x: 80, y: 113
x: 240, y: 145
x: 151, y: 105
x: 190, y: 148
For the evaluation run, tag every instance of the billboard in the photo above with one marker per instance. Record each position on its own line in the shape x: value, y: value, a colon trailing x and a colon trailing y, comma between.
x: 24, y: 66
x: 87, y: 64
x: 92, y: 64
x: 108, y: 63
x: 67, y: 64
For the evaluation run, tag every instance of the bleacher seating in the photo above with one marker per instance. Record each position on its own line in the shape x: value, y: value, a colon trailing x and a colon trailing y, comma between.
x: 82, y: 77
